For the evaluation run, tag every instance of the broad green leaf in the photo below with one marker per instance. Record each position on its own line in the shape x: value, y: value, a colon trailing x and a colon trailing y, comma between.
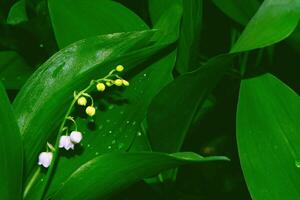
x: 169, y: 24
x: 189, y: 39
x: 14, y: 71
x: 268, y: 138
x: 73, y: 20
x: 239, y: 10
x: 17, y: 13
x: 158, y: 8
x: 274, y: 21
x: 100, y: 177
x: 11, y: 157
x: 183, y: 102
x: 50, y: 89
x: 118, y: 126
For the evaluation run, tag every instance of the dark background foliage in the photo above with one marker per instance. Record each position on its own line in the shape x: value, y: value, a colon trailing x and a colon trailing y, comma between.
x: 213, y: 133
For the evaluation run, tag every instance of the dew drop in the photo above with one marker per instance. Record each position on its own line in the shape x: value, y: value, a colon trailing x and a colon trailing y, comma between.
x: 127, y: 122
x: 88, y: 145
x: 113, y: 142
x: 139, y: 133
x: 41, y: 45
x: 120, y: 145
x: 145, y: 75
x: 133, y: 123
x: 110, y: 131
x: 97, y: 153
x: 297, y: 163
x: 109, y: 147
x: 108, y: 120
x: 42, y: 180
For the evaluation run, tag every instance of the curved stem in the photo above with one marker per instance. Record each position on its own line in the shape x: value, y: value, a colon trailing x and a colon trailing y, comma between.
x: 61, y: 130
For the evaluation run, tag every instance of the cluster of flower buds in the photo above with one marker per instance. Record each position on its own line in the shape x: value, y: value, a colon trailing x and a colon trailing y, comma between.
x: 69, y: 141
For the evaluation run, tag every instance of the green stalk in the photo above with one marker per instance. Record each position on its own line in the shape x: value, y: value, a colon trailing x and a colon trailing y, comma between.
x: 46, y: 183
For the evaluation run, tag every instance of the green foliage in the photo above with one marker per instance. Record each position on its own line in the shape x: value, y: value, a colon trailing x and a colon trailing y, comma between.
x: 14, y: 70
x: 124, y: 168
x: 11, y: 165
x: 187, y: 65
x: 283, y: 16
x: 268, y: 137
x: 179, y: 92
x: 17, y: 13
x: 90, y: 18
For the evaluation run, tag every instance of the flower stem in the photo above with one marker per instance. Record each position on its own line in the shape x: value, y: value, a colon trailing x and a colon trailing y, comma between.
x: 61, y: 130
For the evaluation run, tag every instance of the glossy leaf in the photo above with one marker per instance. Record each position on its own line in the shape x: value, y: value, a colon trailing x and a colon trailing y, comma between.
x: 169, y: 24
x: 14, y: 71
x: 11, y: 157
x: 87, y: 18
x: 123, y: 169
x: 50, y: 88
x: 158, y: 8
x: 274, y: 21
x: 17, y: 13
x: 268, y: 138
x: 239, y: 10
x: 182, y: 101
x: 119, y: 125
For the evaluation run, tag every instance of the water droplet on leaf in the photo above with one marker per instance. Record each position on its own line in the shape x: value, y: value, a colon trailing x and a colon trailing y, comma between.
x: 297, y: 163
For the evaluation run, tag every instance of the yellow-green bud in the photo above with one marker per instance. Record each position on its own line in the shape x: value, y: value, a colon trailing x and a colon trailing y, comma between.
x: 90, y: 111
x: 120, y: 68
x: 109, y: 83
x: 118, y: 82
x: 82, y: 101
x: 100, y: 87
x: 126, y: 83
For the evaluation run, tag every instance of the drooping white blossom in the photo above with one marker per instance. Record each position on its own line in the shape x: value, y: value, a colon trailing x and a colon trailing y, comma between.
x: 75, y: 137
x: 65, y: 142
x: 45, y: 159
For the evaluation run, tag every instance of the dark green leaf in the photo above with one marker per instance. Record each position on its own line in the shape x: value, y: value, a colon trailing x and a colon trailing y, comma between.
x: 183, y: 103
x: 11, y: 157
x: 189, y: 39
x: 73, y: 20
x: 17, y: 13
x: 169, y: 24
x: 13, y: 70
x: 158, y: 8
x: 118, y: 126
x: 239, y: 10
x: 274, y: 21
x: 268, y: 138
x: 50, y: 88
x: 108, y: 173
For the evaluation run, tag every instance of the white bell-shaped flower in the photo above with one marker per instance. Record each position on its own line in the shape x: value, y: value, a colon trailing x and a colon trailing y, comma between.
x: 45, y: 159
x: 75, y: 137
x: 65, y: 142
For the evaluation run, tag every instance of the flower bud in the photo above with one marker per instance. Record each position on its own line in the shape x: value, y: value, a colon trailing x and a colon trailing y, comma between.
x: 126, y: 83
x: 120, y: 68
x: 100, y: 87
x: 109, y: 83
x: 45, y: 159
x: 118, y: 82
x: 90, y: 111
x: 82, y: 101
x: 65, y: 142
x: 75, y: 137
